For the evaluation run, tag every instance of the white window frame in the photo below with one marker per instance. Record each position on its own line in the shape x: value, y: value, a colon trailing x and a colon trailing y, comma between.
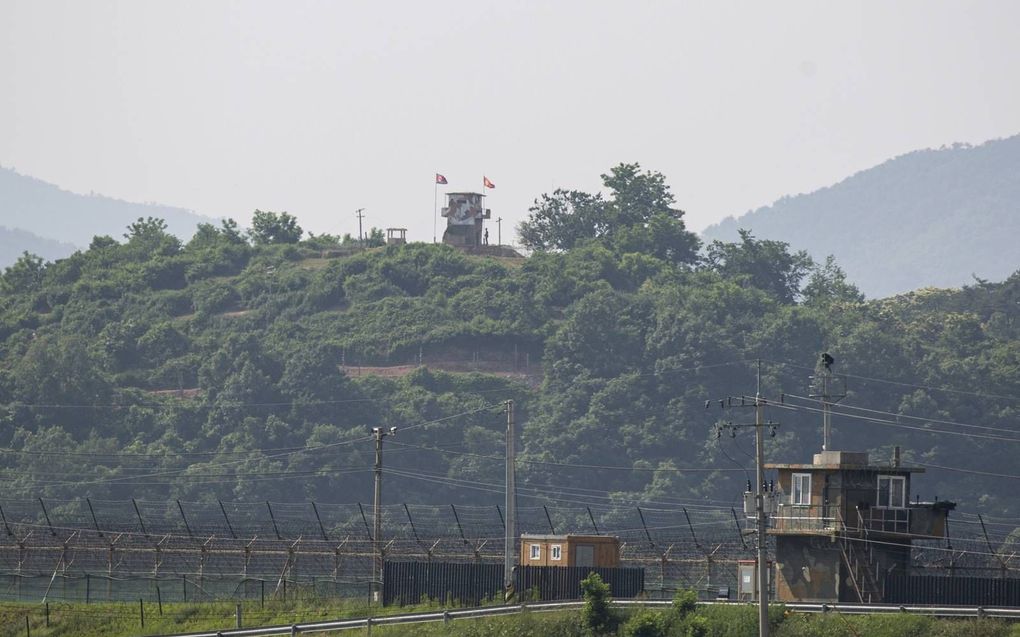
x: 804, y: 492
x: 536, y: 551
x: 901, y: 491
x: 556, y: 552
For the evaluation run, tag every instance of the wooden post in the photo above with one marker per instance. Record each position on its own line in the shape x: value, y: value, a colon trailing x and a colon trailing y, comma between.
x: 141, y: 611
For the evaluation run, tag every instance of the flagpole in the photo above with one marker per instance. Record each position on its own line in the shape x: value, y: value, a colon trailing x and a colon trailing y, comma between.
x: 435, y: 208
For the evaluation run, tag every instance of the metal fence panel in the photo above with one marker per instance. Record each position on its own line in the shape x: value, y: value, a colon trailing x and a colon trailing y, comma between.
x: 472, y: 584
x: 934, y: 589
x: 448, y: 583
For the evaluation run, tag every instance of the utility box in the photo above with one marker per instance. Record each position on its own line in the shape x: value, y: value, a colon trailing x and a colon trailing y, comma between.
x: 770, y: 501
x: 747, y: 579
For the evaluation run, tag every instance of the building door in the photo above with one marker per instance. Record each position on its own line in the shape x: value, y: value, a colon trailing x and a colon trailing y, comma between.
x: 584, y: 555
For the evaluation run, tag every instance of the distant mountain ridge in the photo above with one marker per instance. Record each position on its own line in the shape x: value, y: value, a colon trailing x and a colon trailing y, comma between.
x: 15, y: 242
x: 54, y: 221
x: 929, y: 218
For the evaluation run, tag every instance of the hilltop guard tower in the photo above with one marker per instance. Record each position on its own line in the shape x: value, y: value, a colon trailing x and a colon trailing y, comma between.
x: 842, y: 523
x: 465, y: 213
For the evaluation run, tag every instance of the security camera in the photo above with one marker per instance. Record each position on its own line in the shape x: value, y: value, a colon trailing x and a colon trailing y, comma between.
x: 393, y: 431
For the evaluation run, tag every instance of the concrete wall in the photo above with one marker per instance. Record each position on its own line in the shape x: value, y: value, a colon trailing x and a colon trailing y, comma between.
x: 808, y: 569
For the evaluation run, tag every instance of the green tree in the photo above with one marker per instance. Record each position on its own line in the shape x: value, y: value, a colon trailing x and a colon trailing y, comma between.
x: 270, y: 228
x: 375, y: 238
x: 637, y: 216
x: 828, y: 284
x: 765, y: 264
x: 148, y: 236
x: 563, y: 220
x: 24, y: 276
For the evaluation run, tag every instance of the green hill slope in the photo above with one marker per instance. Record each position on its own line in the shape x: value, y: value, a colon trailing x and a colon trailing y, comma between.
x: 154, y: 369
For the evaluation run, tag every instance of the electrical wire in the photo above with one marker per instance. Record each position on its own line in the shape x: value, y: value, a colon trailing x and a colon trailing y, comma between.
x: 840, y: 407
x: 971, y: 471
x: 567, y: 464
x: 174, y: 472
x: 891, y: 423
x: 902, y: 384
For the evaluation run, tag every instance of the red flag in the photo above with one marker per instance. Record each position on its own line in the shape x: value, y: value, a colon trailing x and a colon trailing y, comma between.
x: 487, y: 183
x: 440, y: 179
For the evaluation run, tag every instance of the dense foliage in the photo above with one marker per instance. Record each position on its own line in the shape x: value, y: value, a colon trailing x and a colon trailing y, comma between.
x: 228, y: 368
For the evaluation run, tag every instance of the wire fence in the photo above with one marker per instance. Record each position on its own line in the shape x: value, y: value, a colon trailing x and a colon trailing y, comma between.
x: 84, y: 550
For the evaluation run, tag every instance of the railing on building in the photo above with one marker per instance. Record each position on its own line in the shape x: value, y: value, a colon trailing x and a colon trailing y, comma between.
x: 805, y: 518
x: 887, y: 520
x: 792, y: 518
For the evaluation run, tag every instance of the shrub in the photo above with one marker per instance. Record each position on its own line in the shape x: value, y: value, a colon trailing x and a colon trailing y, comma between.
x: 696, y: 626
x: 645, y: 623
x: 684, y: 602
x: 596, y: 615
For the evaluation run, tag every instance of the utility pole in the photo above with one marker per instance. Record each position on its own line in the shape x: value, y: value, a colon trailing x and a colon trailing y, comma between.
x: 510, y: 538
x: 499, y: 231
x: 377, y: 560
x: 759, y: 505
x: 361, y: 236
x: 761, y: 509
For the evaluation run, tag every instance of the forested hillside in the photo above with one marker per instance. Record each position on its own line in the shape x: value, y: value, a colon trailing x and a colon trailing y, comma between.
x: 926, y: 218
x: 227, y: 366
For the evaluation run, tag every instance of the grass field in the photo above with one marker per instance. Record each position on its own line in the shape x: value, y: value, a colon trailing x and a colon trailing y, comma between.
x: 124, y: 619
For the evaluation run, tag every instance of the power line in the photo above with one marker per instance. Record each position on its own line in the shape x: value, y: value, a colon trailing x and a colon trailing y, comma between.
x: 568, y: 464
x: 543, y: 491
x: 905, y: 384
x: 174, y: 472
x: 892, y: 423
x: 972, y: 471
x: 907, y: 416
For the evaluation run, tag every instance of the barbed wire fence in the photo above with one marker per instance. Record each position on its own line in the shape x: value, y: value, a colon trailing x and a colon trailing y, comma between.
x: 90, y: 550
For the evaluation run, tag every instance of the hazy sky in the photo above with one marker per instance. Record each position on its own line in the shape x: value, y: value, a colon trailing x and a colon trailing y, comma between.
x: 319, y: 108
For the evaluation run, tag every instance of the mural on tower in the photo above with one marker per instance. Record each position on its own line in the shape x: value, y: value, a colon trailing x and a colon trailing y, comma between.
x: 465, y: 214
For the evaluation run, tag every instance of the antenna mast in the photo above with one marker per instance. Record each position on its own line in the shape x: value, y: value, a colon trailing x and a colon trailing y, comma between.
x: 830, y: 389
